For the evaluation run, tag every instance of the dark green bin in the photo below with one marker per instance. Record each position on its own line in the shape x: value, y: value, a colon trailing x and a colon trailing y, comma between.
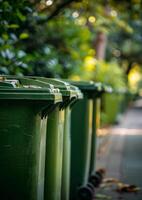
x: 57, y: 167
x: 102, y: 88
x: 24, y: 105
x: 83, y: 134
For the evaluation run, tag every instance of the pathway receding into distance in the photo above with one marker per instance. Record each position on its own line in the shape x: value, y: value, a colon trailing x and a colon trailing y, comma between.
x: 121, y: 156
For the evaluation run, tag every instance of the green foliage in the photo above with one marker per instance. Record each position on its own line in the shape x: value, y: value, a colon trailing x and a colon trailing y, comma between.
x: 14, y: 19
x: 56, y: 39
x: 111, y: 108
x: 106, y: 72
x: 110, y: 73
x: 55, y: 48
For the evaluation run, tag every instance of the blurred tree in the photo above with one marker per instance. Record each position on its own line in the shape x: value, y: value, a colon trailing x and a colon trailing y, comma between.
x: 63, y: 38
x: 14, y: 24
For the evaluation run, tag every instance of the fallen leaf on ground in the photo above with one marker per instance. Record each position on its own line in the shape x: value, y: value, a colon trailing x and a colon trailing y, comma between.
x: 110, y: 180
x: 101, y: 171
x: 127, y: 188
x: 103, y: 197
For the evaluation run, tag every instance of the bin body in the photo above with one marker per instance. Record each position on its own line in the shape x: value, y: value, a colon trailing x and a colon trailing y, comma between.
x: 22, y: 132
x: 20, y: 150
x: 81, y: 135
x: 83, y: 138
x: 95, y: 126
x: 54, y: 155
x: 57, y: 165
x: 65, y: 187
x: 76, y: 97
x: 97, y: 103
x: 111, y: 105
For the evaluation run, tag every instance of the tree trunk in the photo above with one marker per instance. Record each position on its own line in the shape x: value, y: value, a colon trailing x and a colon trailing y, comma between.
x: 101, y: 39
x: 100, y: 45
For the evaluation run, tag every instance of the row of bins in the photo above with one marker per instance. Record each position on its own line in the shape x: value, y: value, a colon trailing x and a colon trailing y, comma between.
x: 48, y: 138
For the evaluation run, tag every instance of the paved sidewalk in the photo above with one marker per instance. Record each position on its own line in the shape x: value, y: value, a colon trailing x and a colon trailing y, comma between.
x: 121, y: 155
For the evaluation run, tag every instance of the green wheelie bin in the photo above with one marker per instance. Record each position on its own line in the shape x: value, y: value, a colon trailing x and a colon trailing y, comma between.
x: 112, y: 105
x: 58, y: 141
x: 24, y: 106
x: 95, y: 177
x: 95, y: 125
x: 65, y: 189
x: 122, y: 92
x: 82, y: 125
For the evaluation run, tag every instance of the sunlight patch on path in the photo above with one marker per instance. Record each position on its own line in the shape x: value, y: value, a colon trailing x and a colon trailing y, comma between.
x: 126, y: 131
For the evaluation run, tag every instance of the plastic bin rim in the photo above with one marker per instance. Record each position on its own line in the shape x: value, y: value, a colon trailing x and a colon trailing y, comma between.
x: 64, y: 87
x: 87, y: 85
x: 8, y: 90
x: 28, y: 94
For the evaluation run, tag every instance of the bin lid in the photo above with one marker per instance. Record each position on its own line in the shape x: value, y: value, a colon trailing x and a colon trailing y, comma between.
x: 66, y: 89
x: 88, y: 87
x: 12, y: 87
x: 121, y: 91
x: 78, y: 91
x: 106, y: 88
x: 91, y: 87
x: 74, y: 90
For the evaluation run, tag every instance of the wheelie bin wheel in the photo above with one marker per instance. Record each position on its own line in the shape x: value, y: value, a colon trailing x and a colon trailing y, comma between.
x: 86, y: 193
